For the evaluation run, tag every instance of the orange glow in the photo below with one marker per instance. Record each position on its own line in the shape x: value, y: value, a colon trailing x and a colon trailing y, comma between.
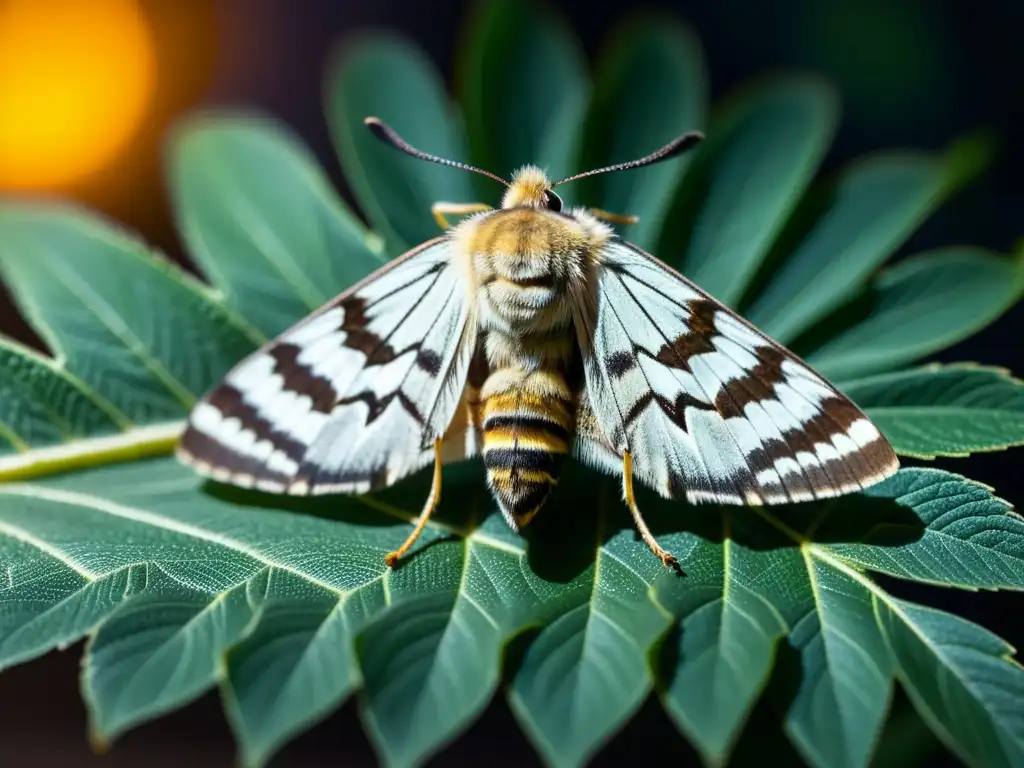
x: 76, y: 77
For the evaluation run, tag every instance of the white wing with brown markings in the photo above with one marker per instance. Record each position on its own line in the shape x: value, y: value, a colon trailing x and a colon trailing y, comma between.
x: 352, y: 397
x: 709, y: 407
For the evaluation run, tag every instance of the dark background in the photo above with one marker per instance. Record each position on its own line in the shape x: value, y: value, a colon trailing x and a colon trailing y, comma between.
x: 915, y: 73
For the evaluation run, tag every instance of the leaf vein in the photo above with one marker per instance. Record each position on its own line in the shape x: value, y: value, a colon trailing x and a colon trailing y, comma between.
x: 73, y: 498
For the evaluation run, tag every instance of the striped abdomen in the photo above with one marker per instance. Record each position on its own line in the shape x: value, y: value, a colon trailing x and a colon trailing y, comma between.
x: 524, y: 262
x: 527, y: 430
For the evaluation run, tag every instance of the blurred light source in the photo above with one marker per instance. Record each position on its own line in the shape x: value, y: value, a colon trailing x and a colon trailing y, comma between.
x: 76, y: 77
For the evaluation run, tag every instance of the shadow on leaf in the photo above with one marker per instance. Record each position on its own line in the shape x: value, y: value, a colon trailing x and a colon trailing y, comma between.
x: 763, y: 733
x: 586, y: 510
x: 464, y: 500
x: 515, y: 651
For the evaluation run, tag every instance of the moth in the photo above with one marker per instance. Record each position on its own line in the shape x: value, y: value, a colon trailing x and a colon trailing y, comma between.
x: 522, y: 335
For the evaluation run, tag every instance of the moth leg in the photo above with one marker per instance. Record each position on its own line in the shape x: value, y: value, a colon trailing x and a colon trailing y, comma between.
x: 432, y: 501
x: 614, y: 218
x: 455, y: 209
x: 645, y: 532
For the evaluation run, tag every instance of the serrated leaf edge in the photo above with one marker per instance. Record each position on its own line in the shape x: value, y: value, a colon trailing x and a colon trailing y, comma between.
x: 45, y: 361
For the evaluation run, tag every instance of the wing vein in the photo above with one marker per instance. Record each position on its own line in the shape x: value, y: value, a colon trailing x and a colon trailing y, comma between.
x: 679, y: 381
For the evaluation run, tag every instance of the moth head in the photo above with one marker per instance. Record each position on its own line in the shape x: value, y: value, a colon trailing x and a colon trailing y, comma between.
x: 531, y: 188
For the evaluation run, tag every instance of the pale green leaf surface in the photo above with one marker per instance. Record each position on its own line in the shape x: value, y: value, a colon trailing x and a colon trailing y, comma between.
x: 586, y: 672
x: 910, y: 525
x: 93, y: 529
x: 260, y: 218
x: 431, y: 662
x: 136, y: 550
x: 920, y: 306
x: 527, y: 113
x: 651, y: 86
x: 50, y: 602
x: 317, y: 581
x: 41, y: 404
x: 420, y: 662
x: 859, y: 220
x: 151, y: 350
x: 960, y: 679
x: 297, y: 662
x: 937, y: 519
x: 840, y: 705
x: 948, y: 410
x: 159, y: 650
x: 760, y: 154
x: 393, y: 190
x: 970, y: 538
x: 724, y: 645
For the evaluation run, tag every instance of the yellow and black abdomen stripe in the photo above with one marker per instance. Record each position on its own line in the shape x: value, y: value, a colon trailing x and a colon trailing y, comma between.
x: 527, y: 428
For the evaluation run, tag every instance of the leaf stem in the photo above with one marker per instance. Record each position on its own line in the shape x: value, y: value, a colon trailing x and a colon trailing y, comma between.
x: 132, y: 444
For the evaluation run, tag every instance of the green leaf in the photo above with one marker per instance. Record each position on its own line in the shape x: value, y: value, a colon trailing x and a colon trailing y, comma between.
x: 856, y: 223
x: 719, y: 658
x: 960, y: 678
x: 920, y: 306
x: 955, y: 526
x: 969, y: 538
x: 761, y: 152
x: 651, y: 86
x: 297, y: 663
x: 395, y: 191
x: 951, y: 410
x: 431, y: 664
x: 161, y: 649
x: 911, y: 525
x: 261, y: 219
x: 840, y: 705
x: 41, y: 404
x: 173, y: 576
x: 151, y: 350
x: 530, y: 112
x: 285, y: 605
x: 75, y: 600
x: 586, y: 672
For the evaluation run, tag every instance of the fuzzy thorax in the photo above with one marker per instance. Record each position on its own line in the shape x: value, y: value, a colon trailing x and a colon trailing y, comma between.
x: 528, y: 188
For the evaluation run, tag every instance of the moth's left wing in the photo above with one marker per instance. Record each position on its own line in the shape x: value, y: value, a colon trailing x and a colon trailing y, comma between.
x: 708, y: 406
x: 351, y: 398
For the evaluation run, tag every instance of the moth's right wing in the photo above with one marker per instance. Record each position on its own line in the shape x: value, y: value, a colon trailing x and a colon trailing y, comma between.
x: 351, y: 398
x: 708, y: 407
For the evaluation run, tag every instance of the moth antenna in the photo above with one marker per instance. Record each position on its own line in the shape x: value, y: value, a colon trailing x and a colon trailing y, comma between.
x: 674, y: 148
x: 387, y: 134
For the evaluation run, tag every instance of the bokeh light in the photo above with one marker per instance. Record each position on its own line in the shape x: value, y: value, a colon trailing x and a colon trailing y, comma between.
x: 76, y: 78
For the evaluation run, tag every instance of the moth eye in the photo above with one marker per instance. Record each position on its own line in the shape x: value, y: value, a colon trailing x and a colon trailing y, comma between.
x: 552, y: 201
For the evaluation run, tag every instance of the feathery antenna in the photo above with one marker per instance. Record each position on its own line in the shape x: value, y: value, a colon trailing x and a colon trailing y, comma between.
x: 387, y: 134
x: 674, y: 148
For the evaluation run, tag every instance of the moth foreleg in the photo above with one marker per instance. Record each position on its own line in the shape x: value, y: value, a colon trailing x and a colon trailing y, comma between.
x: 439, y: 210
x: 638, y: 520
x: 614, y: 218
x: 432, y: 501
